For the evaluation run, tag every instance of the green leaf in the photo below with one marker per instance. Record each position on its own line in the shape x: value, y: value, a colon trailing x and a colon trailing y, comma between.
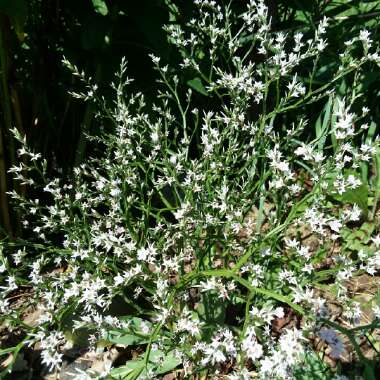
x: 357, y: 240
x: 322, y: 125
x: 358, y: 196
x: 313, y: 368
x: 134, y: 368
x: 129, y: 370
x: 135, y: 322
x: 168, y: 363
x: 6, y: 351
x: 100, y: 6
x: 369, y: 372
x: 212, y: 309
x: 197, y: 85
x: 125, y: 339
x: 129, y: 336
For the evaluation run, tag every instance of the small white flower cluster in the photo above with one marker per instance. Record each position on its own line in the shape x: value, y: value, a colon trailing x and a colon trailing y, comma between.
x: 284, y: 357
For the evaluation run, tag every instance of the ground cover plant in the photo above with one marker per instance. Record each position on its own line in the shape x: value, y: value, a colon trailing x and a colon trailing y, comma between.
x: 217, y: 232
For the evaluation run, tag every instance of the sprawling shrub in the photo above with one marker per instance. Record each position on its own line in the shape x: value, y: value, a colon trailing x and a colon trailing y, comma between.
x: 210, y: 229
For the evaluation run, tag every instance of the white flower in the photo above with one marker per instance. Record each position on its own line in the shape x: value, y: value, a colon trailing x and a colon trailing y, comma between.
x: 376, y: 311
x: 364, y: 37
x: 365, y: 110
x: 335, y: 225
x: 340, y: 377
x: 250, y: 346
x: 154, y: 136
x: 353, y: 215
x: 376, y: 240
x: 4, y: 306
x: 267, y: 365
x: 145, y: 328
x: 242, y: 374
x: 295, y: 88
x: 142, y: 254
x: 321, y: 45
x: 155, y: 59
x: 353, y: 182
x: 52, y: 359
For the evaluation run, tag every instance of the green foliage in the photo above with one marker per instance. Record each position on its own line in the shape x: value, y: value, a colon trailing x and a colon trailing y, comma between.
x: 100, y: 6
x: 313, y: 368
x: 159, y: 363
x: 359, y: 239
x: 197, y: 85
x: 135, y: 336
x: 357, y: 196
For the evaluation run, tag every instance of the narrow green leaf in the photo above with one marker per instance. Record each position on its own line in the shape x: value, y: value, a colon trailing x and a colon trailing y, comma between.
x: 322, y: 125
x: 313, y: 368
x: 358, y: 196
x: 197, y: 85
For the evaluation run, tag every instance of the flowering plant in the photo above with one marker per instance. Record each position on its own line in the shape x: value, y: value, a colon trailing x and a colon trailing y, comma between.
x: 213, y: 239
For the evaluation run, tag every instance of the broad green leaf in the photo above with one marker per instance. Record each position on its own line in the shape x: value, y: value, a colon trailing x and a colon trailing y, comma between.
x: 358, y: 196
x: 135, y: 323
x: 338, y: 10
x: 132, y: 367
x: 197, y: 85
x: 168, y: 363
x: 129, y: 336
x: 356, y: 240
x: 369, y: 371
x: 126, y: 339
x: 100, y: 6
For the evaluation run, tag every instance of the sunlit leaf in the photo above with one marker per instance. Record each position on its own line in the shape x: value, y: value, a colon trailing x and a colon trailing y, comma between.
x: 100, y: 6
x: 197, y: 85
